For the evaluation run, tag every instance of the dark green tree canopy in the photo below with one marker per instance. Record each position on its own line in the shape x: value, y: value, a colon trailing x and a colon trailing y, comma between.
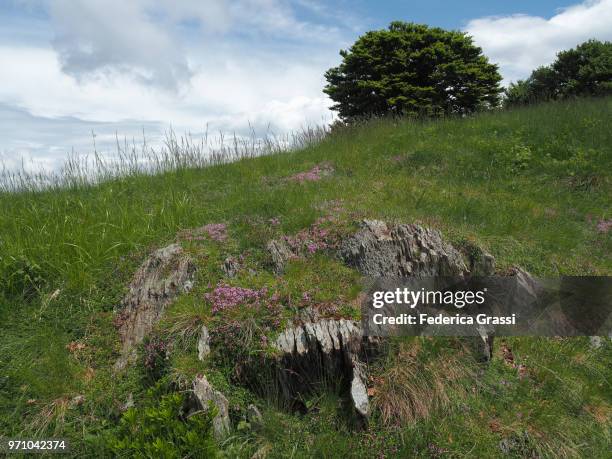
x: 582, y: 71
x: 412, y: 69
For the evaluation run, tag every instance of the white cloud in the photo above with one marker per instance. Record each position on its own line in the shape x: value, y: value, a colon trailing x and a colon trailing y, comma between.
x: 145, y: 38
x: 232, y: 86
x: 107, y: 71
x: 100, y: 36
x: 521, y: 43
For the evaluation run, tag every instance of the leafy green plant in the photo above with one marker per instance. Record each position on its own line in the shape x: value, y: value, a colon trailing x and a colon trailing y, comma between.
x: 21, y: 277
x: 522, y: 156
x: 163, y: 429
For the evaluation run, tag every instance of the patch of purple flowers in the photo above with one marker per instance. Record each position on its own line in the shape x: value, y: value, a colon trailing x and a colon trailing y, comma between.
x: 216, y: 231
x: 604, y: 226
x: 226, y: 297
x: 312, y: 239
x: 314, y: 174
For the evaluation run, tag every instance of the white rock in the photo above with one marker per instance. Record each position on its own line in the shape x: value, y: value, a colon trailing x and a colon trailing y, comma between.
x: 359, y: 391
x: 203, y: 343
x: 204, y: 393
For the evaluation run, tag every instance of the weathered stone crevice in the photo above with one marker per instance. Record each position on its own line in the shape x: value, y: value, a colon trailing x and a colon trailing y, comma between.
x: 324, y: 350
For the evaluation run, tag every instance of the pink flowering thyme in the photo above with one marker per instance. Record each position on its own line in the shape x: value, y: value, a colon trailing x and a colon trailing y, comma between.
x: 604, y: 226
x: 312, y: 239
x: 214, y: 231
x: 227, y: 297
x: 314, y: 174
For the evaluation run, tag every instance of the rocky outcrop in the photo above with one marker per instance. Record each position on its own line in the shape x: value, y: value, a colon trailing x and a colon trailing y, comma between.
x: 378, y: 250
x: 163, y: 276
x: 325, y: 347
x: 204, y: 395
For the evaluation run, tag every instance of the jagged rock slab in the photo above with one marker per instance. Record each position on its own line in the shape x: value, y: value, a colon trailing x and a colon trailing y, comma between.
x: 407, y: 250
x: 163, y: 276
x: 378, y: 250
x: 204, y: 393
x: 526, y: 287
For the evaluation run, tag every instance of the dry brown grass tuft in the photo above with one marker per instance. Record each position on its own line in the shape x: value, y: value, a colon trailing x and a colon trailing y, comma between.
x: 184, y: 327
x: 413, y: 387
x: 54, y: 411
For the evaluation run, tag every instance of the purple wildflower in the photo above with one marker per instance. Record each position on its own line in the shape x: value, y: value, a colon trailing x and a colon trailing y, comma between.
x: 313, y: 175
x: 216, y: 231
x: 604, y: 226
x: 226, y: 297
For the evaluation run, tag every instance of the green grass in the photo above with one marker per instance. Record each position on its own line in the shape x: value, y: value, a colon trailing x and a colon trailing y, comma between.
x: 529, y: 185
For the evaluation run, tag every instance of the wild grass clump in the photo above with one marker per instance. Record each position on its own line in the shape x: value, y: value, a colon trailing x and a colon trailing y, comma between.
x: 415, y: 384
x: 174, y: 154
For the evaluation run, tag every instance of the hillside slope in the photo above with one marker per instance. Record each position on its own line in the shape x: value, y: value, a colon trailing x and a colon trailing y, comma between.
x: 531, y: 186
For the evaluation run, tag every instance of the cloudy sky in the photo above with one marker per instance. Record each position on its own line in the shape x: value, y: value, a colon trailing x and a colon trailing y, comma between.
x: 70, y: 67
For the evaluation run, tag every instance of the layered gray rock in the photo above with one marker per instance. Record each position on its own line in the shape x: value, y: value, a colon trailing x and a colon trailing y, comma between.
x: 481, y: 263
x: 378, y: 250
x: 204, y: 395
x: 526, y: 287
x: 163, y: 276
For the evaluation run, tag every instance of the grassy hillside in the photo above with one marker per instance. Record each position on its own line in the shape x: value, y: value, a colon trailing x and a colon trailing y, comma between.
x: 532, y: 186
